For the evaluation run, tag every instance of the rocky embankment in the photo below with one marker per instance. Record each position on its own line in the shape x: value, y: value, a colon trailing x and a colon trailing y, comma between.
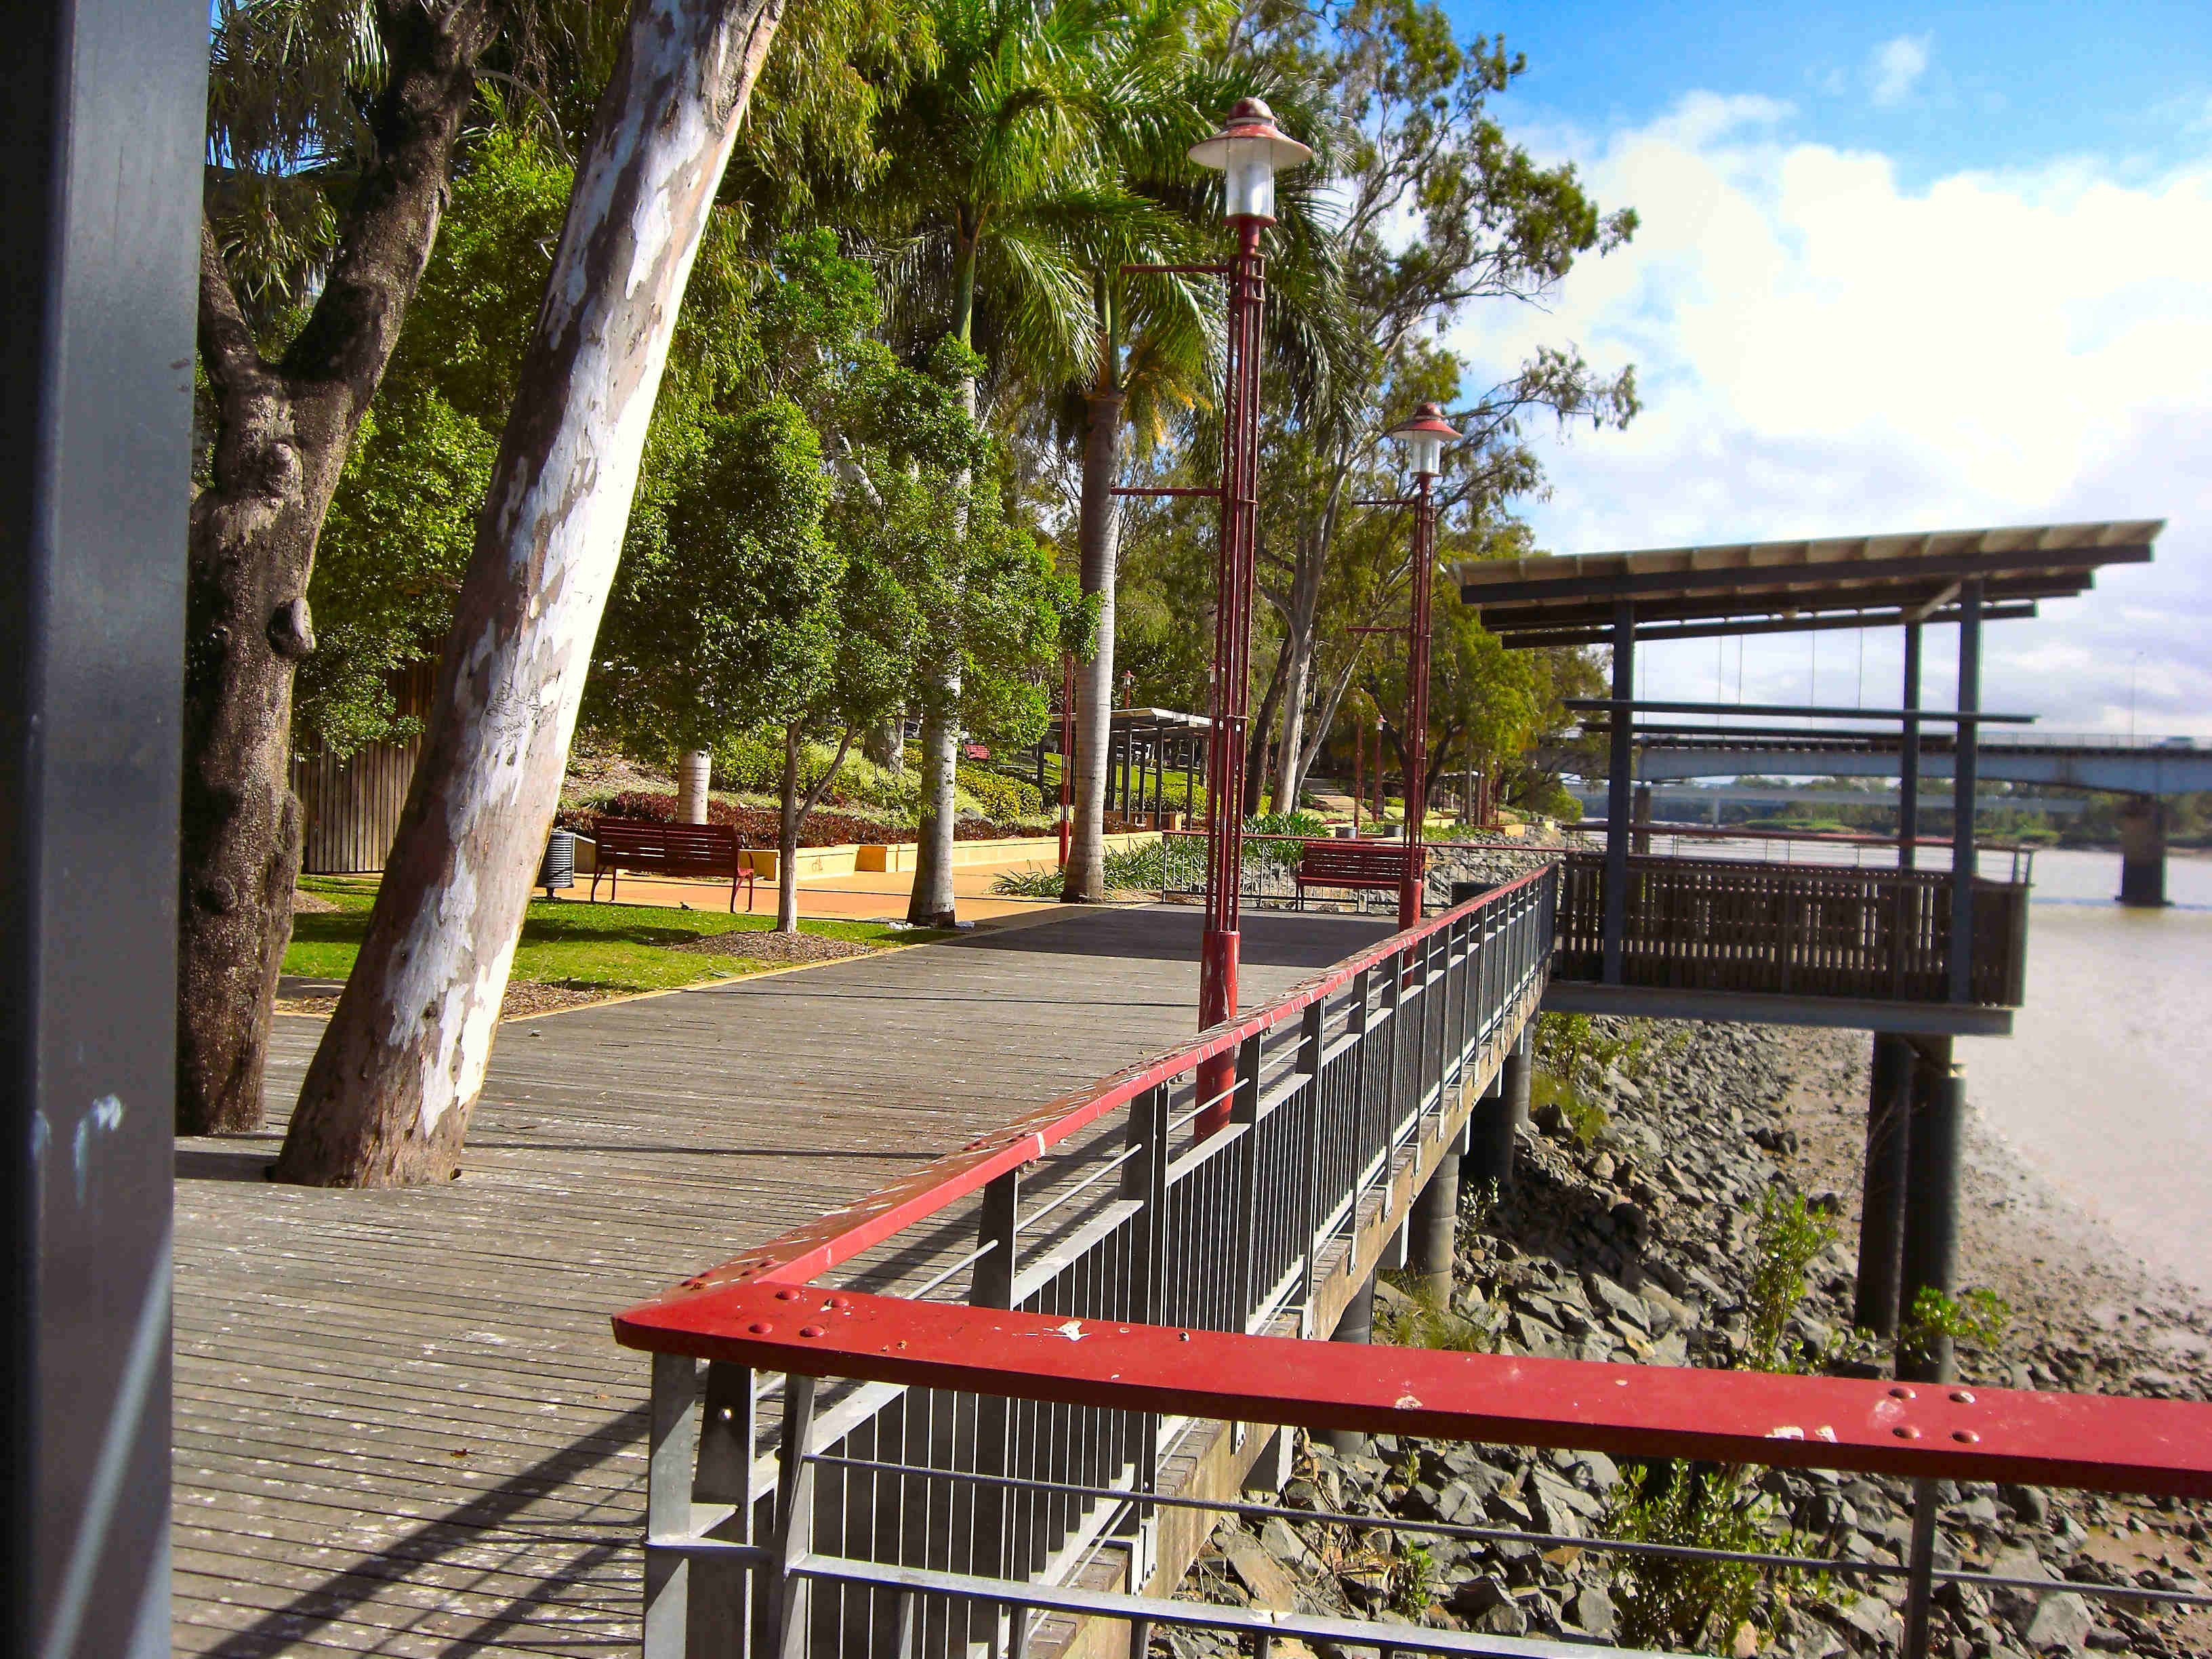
x: 1632, y: 1238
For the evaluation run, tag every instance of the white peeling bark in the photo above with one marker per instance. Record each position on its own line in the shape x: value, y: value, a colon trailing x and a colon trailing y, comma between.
x: 386, y: 1100
x: 693, y: 772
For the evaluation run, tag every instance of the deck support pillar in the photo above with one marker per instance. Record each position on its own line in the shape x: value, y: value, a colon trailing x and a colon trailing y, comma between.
x: 1640, y: 816
x: 1489, y: 1160
x: 1355, y: 1324
x: 1618, y: 783
x: 1882, y: 1204
x: 1929, y: 1256
x: 1435, y: 1225
x: 2143, y: 851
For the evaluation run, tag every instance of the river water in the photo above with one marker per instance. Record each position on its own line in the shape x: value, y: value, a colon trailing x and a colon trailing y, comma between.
x: 2105, y: 1084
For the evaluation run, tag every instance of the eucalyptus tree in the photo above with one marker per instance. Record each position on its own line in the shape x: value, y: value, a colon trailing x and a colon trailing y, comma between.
x: 387, y: 1097
x: 331, y: 127
x: 1441, y: 210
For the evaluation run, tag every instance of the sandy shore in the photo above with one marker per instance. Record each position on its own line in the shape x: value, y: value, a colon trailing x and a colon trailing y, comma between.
x: 2067, y: 1278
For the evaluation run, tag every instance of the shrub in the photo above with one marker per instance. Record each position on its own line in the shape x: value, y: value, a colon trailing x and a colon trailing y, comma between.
x: 996, y: 795
x: 1787, y: 1239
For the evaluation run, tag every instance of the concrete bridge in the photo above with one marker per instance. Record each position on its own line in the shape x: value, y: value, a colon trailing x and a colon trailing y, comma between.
x: 1707, y: 801
x: 2064, y: 760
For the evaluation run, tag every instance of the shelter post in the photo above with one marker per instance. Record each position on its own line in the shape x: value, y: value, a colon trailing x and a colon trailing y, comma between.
x: 1618, y: 785
x: 1908, y: 758
x: 1964, y: 746
x: 1882, y: 1188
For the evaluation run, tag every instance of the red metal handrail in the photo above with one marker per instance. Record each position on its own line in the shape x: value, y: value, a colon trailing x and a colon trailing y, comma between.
x: 806, y: 1252
x: 2111, y: 1443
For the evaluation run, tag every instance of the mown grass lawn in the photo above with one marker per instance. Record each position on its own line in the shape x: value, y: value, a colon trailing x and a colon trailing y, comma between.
x: 613, y: 948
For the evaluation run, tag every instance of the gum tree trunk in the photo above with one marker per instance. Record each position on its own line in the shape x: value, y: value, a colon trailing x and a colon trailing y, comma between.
x: 386, y: 1100
x: 694, y: 768
x: 932, y: 903
x: 786, y: 839
x: 1099, y: 541
x: 284, y: 432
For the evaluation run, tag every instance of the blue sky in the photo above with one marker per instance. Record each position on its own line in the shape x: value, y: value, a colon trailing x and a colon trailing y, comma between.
x: 1905, y: 270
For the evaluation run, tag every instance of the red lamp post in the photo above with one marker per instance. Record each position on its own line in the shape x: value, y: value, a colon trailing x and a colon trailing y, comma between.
x: 1423, y: 438
x: 1247, y: 150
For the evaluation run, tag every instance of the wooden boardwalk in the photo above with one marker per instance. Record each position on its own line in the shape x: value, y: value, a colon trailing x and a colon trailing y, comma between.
x: 401, y: 1425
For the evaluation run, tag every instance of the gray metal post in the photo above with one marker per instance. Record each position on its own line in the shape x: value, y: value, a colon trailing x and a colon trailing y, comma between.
x: 1963, y: 779
x: 1929, y: 1256
x: 1435, y: 1221
x: 795, y: 1515
x: 102, y: 120
x: 1882, y: 1188
x: 1618, y: 784
x: 672, y: 1446
x: 1920, y: 1586
x: 1908, y: 758
x: 1356, y: 1324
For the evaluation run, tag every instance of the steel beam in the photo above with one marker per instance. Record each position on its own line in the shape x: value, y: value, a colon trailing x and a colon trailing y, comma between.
x: 1567, y: 996
x: 1964, y: 714
x: 103, y: 124
x: 1532, y: 638
x: 1787, y: 581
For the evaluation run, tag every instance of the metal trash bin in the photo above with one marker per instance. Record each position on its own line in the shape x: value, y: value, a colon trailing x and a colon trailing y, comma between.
x: 558, y: 867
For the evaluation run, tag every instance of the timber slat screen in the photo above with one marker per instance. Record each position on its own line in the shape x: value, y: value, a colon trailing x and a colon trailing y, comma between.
x: 1790, y: 929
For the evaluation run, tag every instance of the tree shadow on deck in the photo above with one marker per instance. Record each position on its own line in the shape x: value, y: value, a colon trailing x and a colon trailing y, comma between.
x: 1171, y: 933
x: 465, y: 1529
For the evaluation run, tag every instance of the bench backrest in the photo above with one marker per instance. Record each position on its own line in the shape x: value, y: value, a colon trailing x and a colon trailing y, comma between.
x: 637, y: 842
x: 1370, y: 859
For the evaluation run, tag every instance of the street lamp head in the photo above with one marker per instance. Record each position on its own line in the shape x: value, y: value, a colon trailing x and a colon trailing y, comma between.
x: 1424, y: 437
x: 1247, y: 150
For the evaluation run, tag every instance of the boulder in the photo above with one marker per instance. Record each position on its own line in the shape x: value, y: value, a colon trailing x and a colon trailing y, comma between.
x: 1270, y: 1585
x: 2061, y: 1624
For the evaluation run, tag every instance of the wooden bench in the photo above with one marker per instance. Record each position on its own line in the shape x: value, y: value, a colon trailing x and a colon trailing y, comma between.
x: 645, y: 848
x: 1378, y: 866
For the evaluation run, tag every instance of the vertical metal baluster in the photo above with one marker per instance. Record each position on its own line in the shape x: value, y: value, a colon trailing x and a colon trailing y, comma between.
x: 991, y: 1284
x: 903, y: 1639
x: 1919, y: 1587
x: 1310, y: 1044
x: 673, y: 1439
x: 1140, y: 1637
x: 1018, y: 1630
x: 794, y: 1513
x: 1244, y: 1113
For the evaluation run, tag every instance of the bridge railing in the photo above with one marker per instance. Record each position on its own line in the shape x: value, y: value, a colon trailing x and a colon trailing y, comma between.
x: 1792, y: 929
x: 1174, y: 1371
x: 1103, y: 1205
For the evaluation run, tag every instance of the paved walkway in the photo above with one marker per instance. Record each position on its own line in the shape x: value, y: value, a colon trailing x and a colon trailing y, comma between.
x: 401, y: 1426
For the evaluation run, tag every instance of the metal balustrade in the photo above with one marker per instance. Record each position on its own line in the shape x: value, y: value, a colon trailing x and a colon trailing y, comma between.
x: 1101, y: 1206
x: 1030, y: 1473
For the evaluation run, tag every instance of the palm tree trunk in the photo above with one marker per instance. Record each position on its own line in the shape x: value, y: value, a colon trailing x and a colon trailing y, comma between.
x: 387, y: 1097
x: 1099, y: 540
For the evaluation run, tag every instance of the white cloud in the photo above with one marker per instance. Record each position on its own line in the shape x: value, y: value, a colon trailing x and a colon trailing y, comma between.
x: 1822, y: 351
x: 1896, y: 68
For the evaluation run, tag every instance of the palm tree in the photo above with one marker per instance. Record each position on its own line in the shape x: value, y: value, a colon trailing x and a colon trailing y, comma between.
x: 1174, y: 335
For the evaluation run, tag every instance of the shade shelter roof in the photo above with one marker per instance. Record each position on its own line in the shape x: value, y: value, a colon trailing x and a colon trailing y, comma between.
x: 1842, y: 582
